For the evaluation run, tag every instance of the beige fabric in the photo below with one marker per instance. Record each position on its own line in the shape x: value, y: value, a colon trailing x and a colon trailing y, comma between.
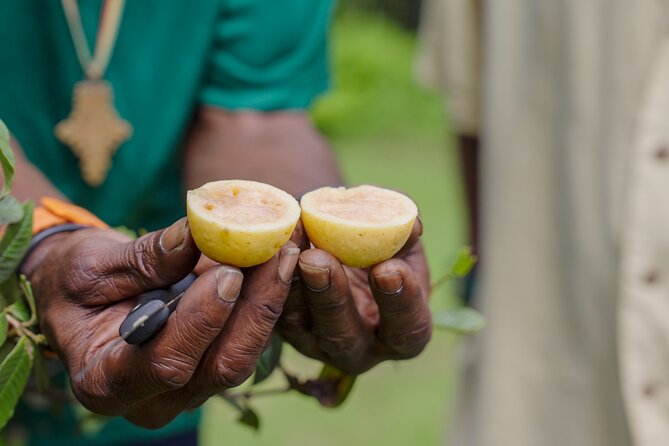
x: 450, y: 58
x: 575, y: 235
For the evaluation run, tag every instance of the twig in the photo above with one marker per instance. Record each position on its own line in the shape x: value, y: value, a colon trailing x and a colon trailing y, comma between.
x: 441, y: 281
x: 22, y: 330
x: 248, y: 395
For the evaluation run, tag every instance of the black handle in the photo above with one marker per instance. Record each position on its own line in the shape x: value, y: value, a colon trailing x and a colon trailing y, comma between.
x: 151, y: 312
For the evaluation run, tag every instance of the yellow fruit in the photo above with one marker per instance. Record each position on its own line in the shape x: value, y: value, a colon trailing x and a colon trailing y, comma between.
x: 241, y: 223
x: 360, y: 226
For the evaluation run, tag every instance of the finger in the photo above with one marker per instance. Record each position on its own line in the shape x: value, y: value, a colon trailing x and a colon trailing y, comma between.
x: 335, y: 322
x: 167, y: 362
x: 414, y: 237
x: 299, y: 236
x: 114, y: 271
x: 204, y: 264
x: 233, y: 355
x: 294, y: 324
x: 405, y: 325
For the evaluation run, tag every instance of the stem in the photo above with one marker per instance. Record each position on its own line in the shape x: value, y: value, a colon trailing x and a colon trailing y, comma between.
x: 21, y: 330
x: 441, y: 281
x: 248, y: 395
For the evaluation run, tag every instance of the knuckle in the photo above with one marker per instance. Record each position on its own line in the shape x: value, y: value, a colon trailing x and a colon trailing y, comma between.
x: 229, y: 376
x: 171, y: 372
x: 269, y: 313
x: 293, y: 321
x: 328, y: 306
x: 95, y: 395
x: 340, y: 345
x: 196, y: 329
x: 139, y: 254
x: 82, y: 275
x: 411, y: 343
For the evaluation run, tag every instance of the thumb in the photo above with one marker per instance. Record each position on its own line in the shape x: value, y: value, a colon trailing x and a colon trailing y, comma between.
x: 155, y: 260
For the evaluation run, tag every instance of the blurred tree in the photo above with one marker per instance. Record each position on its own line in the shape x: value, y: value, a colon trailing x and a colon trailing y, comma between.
x: 405, y: 12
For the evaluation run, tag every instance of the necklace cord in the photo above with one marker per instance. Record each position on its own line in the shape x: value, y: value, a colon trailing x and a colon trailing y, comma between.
x: 95, y: 65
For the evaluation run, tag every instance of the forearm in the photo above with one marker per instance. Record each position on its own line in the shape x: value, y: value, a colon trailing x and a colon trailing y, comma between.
x: 29, y: 181
x: 281, y: 148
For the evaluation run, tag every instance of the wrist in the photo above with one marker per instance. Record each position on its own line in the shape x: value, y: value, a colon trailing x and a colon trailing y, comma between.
x: 42, y: 250
x: 52, y: 222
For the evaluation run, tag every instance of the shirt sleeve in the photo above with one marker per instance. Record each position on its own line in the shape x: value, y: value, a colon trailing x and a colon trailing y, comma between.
x: 268, y: 55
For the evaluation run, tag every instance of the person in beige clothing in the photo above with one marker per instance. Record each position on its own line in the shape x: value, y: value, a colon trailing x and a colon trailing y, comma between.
x: 570, y: 102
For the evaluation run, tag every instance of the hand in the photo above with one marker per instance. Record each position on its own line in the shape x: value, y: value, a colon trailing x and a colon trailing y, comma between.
x: 86, y: 282
x: 355, y: 318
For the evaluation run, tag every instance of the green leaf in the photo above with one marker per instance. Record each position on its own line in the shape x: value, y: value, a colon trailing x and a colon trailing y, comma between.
x: 331, y: 388
x: 341, y: 382
x: 6, y: 159
x: 250, y: 418
x: 9, y: 291
x: 15, y: 242
x: 464, y: 262
x: 20, y: 311
x: 3, y: 327
x: 463, y: 320
x: 14, y: 373
x: 41, y: 373
x: 247, y: 416
x: 268, y: 360
x: 10, y: 210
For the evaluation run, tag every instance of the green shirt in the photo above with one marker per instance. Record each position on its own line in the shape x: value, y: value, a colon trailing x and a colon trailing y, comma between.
x: 170, y: 57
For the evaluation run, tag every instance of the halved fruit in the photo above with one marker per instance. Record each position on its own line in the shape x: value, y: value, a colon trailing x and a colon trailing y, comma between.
x: 360, y: 226
x: 241, y: 223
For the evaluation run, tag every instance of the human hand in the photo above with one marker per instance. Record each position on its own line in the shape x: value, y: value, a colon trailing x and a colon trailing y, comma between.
x: 87, y: 281
x: 355, y: 318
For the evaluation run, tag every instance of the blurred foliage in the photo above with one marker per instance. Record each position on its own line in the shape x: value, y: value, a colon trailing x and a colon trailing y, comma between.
x: 18, y: 318
x: 375, y: 91
x: 404, y: 12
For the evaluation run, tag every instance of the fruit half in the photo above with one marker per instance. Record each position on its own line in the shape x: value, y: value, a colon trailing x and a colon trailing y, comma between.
x: 360, y: 226
x: 241, y: 223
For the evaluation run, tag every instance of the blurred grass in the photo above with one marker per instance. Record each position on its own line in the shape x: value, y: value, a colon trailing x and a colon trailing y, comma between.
x: 387, y: 131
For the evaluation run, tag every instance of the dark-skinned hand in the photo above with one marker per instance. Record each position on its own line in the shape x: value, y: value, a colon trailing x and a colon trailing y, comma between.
x: 355, y: 318
x: 86, y: 282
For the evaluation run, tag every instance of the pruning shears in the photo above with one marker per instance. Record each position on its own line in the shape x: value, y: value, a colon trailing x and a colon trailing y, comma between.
x: 152, y: 310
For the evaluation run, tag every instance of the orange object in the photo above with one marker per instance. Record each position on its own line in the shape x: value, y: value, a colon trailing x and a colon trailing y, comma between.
x: 55, y: 212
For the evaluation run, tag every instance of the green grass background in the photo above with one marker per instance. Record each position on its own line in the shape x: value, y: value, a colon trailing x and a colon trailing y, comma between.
x: 385, y: 130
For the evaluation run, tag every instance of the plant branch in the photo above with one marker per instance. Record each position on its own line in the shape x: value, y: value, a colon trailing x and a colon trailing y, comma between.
x: 21, y: 330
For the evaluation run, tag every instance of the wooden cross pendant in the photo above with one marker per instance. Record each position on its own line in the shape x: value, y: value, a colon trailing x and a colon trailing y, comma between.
x: 94, y: 130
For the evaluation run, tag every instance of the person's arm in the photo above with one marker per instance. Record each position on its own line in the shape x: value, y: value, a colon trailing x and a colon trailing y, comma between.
x: 280, y: 148
x: 87, y: 281
x: 29, y: 182
x: 350, y: 318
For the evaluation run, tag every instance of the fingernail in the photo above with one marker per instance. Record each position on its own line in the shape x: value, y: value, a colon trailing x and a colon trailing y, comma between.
x: 390, y: 283
x: 287, y: 261
x: 229, y: 283
x: 315, y: 278
x: 173, y: 236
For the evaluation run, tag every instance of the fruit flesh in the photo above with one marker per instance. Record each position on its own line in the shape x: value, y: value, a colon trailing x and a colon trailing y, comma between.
x: 364, y: 204
x: 242, y: 206
x: 360, y: 226
x: 241, y: 223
